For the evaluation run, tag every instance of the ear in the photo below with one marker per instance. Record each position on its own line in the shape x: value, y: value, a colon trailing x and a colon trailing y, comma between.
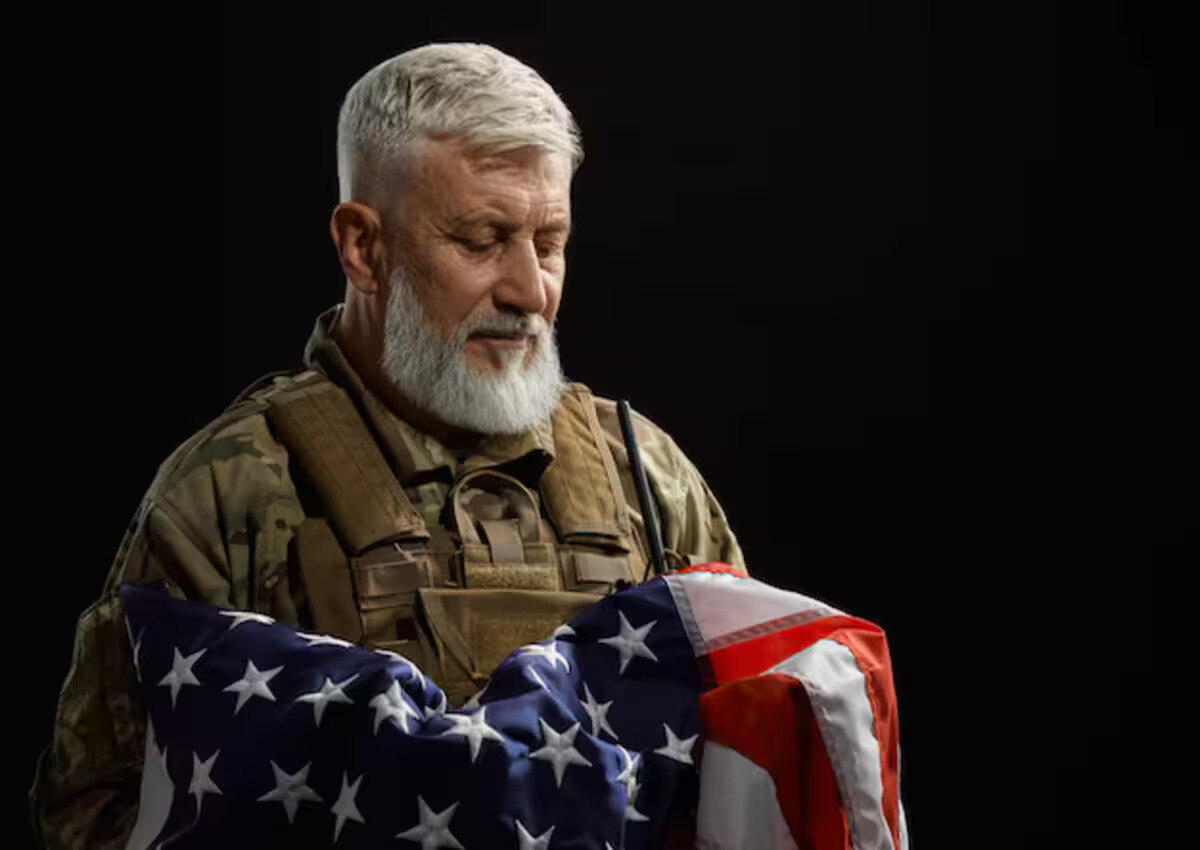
x: 358, y: 234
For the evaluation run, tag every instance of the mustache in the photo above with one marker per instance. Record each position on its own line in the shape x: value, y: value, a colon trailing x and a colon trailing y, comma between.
x: 531, y: 324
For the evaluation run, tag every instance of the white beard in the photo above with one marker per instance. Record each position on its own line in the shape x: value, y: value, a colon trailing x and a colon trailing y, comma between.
x: 433, y: 373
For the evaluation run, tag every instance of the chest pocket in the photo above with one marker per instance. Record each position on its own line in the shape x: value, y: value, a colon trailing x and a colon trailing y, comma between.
x: 504, y: 543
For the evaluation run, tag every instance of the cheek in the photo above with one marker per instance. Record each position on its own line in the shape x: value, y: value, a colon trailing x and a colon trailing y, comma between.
x: 554, y: 290
x: 455, y: 291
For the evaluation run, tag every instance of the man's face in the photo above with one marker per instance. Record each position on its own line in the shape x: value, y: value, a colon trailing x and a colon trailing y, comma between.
x: 478, y: 246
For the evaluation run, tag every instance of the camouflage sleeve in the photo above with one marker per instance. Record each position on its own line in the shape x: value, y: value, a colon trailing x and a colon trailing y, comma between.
x: 694, y: 523
x: 214, y: 526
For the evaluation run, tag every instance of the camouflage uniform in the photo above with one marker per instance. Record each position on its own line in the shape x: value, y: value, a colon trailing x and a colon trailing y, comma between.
x: 216, y: 524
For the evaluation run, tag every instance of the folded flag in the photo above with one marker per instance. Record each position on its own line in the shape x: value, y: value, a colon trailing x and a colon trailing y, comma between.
x: 752, y: 716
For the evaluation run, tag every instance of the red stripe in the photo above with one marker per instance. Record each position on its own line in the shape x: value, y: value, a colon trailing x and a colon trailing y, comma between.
x: 871, y: 652
x: 743, y: 660
x: 768, y: 720
x: 711, y: 567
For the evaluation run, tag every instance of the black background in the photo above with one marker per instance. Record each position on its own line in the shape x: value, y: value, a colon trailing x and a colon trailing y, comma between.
x: 878, y: 269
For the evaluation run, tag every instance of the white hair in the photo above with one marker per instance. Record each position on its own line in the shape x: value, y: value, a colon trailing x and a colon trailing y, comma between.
x: 494, y: 101
x: 432, y: 372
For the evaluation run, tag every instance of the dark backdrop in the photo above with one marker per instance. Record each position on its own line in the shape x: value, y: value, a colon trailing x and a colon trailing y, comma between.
x: 874, y: 268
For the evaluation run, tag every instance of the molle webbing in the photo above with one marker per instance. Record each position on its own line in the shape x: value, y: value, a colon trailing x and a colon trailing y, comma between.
x: 320, y: 425
x: 583, y: 494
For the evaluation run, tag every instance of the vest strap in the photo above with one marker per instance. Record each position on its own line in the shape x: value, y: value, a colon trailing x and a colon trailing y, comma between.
x: 366, y: 504
x: 581, y: 487
x: 504, y: 540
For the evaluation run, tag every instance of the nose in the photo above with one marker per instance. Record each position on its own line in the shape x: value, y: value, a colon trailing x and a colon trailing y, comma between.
x: 522, y: 283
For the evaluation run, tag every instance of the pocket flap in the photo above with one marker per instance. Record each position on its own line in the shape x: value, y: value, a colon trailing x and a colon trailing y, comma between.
x: 593, y: 567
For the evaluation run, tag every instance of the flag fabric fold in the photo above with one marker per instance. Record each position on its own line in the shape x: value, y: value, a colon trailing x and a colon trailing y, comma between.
x: 702, y: 708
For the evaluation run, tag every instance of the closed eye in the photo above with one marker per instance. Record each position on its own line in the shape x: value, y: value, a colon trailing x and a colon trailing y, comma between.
x: 476, y: 247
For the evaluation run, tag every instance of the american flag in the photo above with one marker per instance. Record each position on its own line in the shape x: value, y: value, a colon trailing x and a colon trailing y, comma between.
x: 700, y: 708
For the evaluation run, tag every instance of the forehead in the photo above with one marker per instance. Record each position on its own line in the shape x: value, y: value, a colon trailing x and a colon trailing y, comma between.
x: 460, y: 186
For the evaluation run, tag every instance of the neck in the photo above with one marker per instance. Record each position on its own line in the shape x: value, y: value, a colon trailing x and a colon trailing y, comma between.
x: 362, y: 344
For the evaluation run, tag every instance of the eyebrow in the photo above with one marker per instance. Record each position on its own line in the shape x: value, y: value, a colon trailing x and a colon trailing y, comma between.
x: 562, y: 225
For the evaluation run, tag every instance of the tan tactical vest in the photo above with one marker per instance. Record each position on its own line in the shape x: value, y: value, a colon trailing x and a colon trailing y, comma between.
x: 455, y: 602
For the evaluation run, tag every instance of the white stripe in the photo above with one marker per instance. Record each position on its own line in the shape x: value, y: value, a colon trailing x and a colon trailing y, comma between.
x: 683, y: 607
x: 727, y: 609
x: 157, y: 794
x: 738, y: 806
x: 837, y: 691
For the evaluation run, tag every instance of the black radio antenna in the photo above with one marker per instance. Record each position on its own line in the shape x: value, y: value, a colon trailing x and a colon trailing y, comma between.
x: 642, y: 484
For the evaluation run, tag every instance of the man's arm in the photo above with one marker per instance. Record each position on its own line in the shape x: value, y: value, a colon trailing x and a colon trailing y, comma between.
x: 214, y: 526
x: 88, y: 783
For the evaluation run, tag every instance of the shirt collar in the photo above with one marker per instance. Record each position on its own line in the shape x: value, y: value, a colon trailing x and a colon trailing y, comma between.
x: 410, y: 451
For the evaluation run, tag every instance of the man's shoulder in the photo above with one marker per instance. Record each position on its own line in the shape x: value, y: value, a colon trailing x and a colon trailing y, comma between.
x: 648, y: 433
x: 236, y: 448
x: 694, y: 524
x: 664, y: 461
x: 222, y: 503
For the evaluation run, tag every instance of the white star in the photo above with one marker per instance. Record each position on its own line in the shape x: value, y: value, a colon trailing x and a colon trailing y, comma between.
x: 252, y: 684
x: 680, y: 750
x: 598, y: 711
x: 137, y: 647
x: 329, y: 692
x: 630, y: 641
x: 537, y: 680
x: 528, y: 842
x: 549, y: 653
x: 392, y: 703
x: 628, y: 774
x: 563, y: 631
x: 628, y: 777
x: 166, y: 769
x: 201, y: 781
x: 319, y: 640
x: 181, y: 673
x: 396, y: 657
x: 473, y: 702
x: 291, y: 790
x: 474, y: 728
x: 559, y: 750
x: 434, y: 829
x: 240, y: 617
x: 631, y: 812
x: 345, y: 806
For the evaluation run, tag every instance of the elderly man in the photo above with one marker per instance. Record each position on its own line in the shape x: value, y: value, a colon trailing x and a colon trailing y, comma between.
x: 430, y: 484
